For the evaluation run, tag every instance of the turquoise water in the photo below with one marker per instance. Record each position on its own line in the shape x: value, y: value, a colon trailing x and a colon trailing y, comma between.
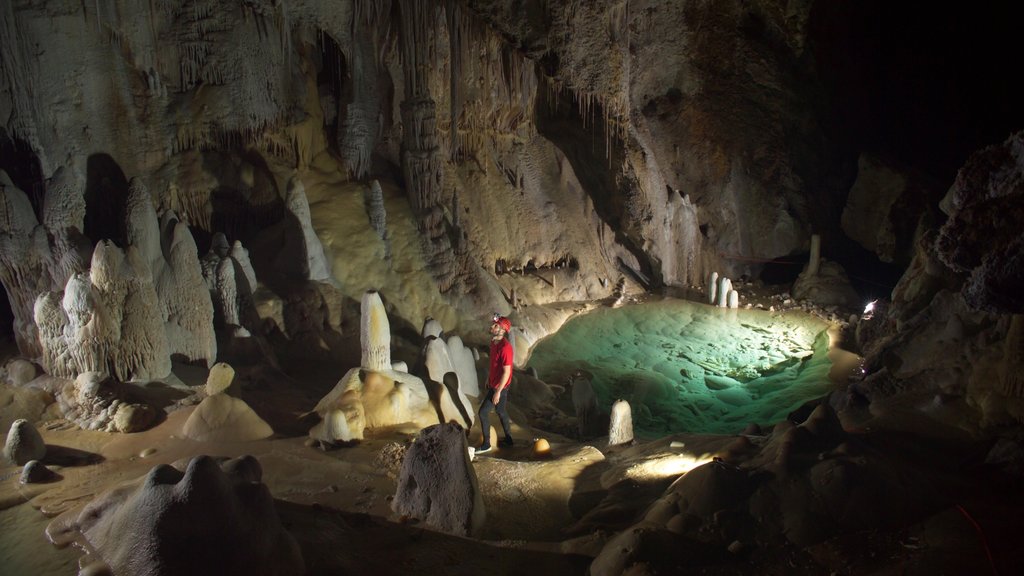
x: 689, y: 367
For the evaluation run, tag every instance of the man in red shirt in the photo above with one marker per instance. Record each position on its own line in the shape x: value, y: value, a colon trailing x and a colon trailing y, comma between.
x: 498, y: 379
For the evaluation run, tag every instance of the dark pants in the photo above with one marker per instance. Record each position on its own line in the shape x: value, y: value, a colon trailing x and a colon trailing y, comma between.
x: 485, y: 412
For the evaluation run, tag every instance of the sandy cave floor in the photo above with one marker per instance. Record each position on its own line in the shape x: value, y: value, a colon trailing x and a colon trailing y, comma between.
x: 541, y: 512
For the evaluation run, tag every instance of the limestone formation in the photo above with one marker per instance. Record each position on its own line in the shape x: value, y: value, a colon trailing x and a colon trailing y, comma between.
x: 620, y: 430
x: 317, y: 267
x: 35, y: 472
x: 431, y: 327
x: 712, y: 287
x: 212, y: 519
x: 465, y: 366
x: 187, y: 301
x: 733, y: 299
x: 364, y: 399
x: 94, y: 401
x: 439, y: 366
x: 437, y: 483
x: 23, y: 443
x: 223, y: 418
x: 110, y: 321
x: 377, y: 214
x: 829, y: 286
x: 375, y: 333
x: 24, y: 262
x: 19, y: 372
x: 724, y: 286
x: 220, y: 379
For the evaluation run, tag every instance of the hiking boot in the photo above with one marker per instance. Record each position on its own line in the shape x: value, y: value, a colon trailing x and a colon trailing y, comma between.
x: 506, y: 443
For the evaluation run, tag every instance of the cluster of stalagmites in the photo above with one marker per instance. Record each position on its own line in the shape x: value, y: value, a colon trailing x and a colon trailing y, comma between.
x: 721, y: 292
x: 122, y: 312
x: 379, y: 393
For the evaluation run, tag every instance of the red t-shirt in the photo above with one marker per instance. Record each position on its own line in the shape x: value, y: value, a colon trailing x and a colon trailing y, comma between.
x: 501, y: 356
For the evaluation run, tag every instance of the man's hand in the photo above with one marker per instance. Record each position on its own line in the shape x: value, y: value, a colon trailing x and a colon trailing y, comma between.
x: 497, y: 397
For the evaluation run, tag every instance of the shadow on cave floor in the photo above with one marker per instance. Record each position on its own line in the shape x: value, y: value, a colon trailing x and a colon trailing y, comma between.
x: 342, y: 543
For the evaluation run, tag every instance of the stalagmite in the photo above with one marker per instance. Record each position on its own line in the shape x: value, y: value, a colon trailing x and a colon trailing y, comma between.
x: 815, y: 258
x: 465, y: 366
x: 431, y: 327
x: 712, y: 287
x: 375, y: 333
x: 620, y: 429
x: 724, y: 285
x: 734, y: 299
x: 142, y: 226
x: 187, y: 301
x: 317, y: 267
x: 23, y: 443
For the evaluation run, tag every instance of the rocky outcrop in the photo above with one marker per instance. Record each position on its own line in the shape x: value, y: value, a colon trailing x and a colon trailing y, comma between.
x: 982, y: 239
x: 216, y: 517
x: 94, y: 401
x: 437, y: 483
x: 23, y: 444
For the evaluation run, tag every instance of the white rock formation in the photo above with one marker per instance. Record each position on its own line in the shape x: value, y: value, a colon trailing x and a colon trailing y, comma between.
x: 431, y: 327
x: 220, y: 378
x: 375, y: 333
x: 317, y: 267
x: 712, y: 287
x: 111, y: 321
x: 23, y: 444
x: 437, y: 483
x: 362, y: 399
x: 439, y: 364
x: 223, y: 418
x: 213, y: 519
x: 94, y: 402
x: 187, y: 302
x: 724, y: 285
x: 465, y: 366
x: 733, y: 299
x: 620, y: 429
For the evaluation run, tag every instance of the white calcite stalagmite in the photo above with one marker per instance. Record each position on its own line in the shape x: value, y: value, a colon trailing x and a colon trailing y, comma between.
x: 23, y: 443
x: 375, y: 333
x: 712, y: 287
x: 220, y: 379
x: 227, y: 294
x: 24, y: 258
x: 142, y: 226
x: 431, y: 327
x: 620, y: 429
x: 215, y: 518
x: 465, y: 366
x: 437, y: 483
x: 734, y: 299
x: 724, y: 286
x: 439, y: 365
x: 317, y: 267
x: 184, y: 293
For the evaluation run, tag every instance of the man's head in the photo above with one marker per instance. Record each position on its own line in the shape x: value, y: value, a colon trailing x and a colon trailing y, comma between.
x: 500, y: 326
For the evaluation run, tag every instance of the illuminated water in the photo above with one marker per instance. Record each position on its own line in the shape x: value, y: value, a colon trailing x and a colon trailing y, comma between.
x: 690, y: 367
